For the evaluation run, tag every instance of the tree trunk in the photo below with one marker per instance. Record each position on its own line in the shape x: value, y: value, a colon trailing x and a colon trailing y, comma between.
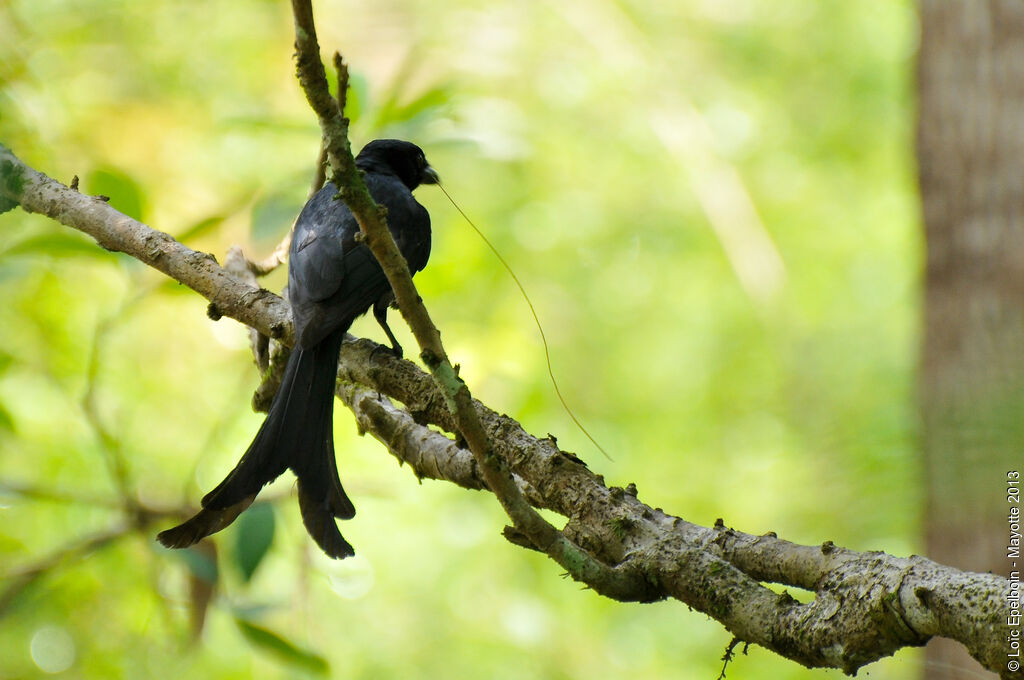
x: 970, y: 149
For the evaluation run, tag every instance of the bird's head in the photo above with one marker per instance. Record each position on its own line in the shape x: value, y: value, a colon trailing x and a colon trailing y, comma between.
x: 403, y: 159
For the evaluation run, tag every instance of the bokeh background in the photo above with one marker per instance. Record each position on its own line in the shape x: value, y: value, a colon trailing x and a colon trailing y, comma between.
x: 712, y: 204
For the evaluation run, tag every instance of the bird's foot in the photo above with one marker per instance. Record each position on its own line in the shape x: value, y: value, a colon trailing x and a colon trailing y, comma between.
x: 395, y: 350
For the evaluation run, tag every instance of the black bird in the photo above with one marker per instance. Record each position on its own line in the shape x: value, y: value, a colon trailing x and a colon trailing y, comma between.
x: 332, y: 279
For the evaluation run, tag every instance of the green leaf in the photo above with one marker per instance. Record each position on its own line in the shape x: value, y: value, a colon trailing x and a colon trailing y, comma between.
x: 358, y: 97
x: 250, y: 611
x: 254, y: 537
x: 124, y: 193
x: 6, y: 421
x: 202, y: 566
x: 285, y: 651
x: 424, y: 103
x: 201, y: 228
x: 6, y: 360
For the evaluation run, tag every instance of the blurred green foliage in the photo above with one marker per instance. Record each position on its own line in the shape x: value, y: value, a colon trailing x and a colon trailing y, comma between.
x: 756, y: 365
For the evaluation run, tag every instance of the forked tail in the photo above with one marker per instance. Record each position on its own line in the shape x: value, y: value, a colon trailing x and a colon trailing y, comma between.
x: 297, y: 434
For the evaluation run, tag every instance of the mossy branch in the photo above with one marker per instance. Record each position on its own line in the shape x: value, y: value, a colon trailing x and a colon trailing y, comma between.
x: 865, y: 606
x: 334, y: 126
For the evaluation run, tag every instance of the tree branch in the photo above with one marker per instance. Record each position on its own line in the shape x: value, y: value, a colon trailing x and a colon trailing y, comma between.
x: 114, y: 231
x: 865, y: 606
x: 614, y: 580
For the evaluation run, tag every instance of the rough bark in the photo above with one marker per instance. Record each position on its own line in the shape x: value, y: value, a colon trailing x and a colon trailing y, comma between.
x: 612, y: 580
x: 971, y: 164
x: 866, y: 605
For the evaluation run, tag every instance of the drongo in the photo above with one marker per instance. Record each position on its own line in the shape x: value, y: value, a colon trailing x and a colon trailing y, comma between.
x: 332, y: 279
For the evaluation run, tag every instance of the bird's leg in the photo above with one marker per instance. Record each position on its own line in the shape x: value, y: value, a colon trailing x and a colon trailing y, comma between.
x: 380, y: 312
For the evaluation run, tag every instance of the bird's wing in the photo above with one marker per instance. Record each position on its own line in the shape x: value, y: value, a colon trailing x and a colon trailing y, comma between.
x: 332, y: 277
x: 324, y: 231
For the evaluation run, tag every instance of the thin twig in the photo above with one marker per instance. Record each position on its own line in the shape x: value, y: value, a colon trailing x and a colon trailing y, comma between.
x: 320, y: 177
x: 20, y: 579
x: 727, y: 657
x: 117, y: 465
x: 618, y: 580
x: 38, y: 493
x: 271, y: 262
x: 341, y: 68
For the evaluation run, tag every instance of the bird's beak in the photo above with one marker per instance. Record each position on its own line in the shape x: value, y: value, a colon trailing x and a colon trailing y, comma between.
x: 430, y: 176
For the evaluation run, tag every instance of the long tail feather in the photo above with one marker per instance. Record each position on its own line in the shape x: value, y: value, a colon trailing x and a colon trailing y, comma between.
x: 318, y: 516
x: 202, y: 524
x: 297, y: 434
